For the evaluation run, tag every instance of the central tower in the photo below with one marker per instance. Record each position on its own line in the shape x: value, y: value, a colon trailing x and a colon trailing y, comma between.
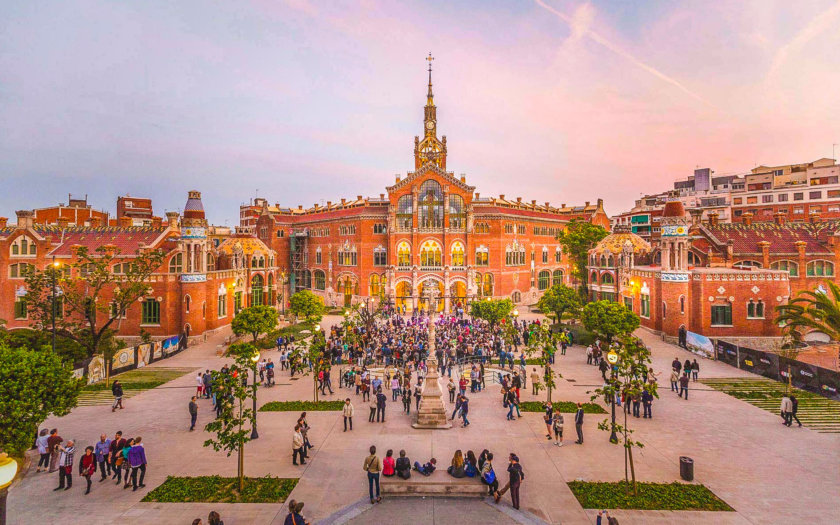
x: 430, y: 149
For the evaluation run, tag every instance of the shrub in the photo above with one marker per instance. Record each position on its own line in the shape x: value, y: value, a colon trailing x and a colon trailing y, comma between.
x: 216, y: 489
x: 565, y: 407
x: 302, y: 406
x: 651, y: 496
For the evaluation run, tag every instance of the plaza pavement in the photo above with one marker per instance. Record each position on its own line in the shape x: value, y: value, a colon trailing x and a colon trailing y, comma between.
x: 767, y: 472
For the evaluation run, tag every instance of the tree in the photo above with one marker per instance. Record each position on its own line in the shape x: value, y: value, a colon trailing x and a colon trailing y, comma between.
x: 307, y: 306
x: 254, y: 320
x: 491, y: 310
x: 628, y: 378
x: 541, y: 346
x: 577, y: 239
x: 231, y: 389
x: 315, y: 355
x: 90, y: 299
x: 609, y: 319
x: 818, y: 311
x: 35, y: 384
x: 559, y: 299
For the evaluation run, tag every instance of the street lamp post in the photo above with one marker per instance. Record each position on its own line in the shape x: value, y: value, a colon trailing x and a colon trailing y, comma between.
x: 612, y: 359
x: 54, y: 271
x: 8, y: 470
x: 255, y: 360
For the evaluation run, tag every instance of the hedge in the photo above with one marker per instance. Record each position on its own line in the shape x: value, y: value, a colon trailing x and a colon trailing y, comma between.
x: 651, y: 496
x: 569, y: 407
x: 302, y: 406
x: 216, y: 489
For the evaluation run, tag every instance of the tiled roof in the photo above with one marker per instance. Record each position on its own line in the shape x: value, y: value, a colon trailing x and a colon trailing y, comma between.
x: 249, y: 245
x: 615, y: 242
x: 127, y: 240
x: 782, y: 238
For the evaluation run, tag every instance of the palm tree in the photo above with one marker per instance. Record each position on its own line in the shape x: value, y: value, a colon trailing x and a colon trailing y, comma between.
x: 819, y: 311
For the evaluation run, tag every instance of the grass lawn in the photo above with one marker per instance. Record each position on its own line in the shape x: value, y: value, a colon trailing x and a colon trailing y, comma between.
x: 563, y: 406
x: 301, y: 406
x: 216, y: 489
x: 141, y: 378
x: 269, y: 340
x: 651, y: 496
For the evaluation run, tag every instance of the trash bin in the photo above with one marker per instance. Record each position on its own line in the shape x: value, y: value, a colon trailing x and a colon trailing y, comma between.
x: 686, y: 468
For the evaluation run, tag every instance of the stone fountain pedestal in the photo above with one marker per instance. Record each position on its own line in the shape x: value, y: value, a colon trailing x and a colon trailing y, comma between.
x: 432, y: 412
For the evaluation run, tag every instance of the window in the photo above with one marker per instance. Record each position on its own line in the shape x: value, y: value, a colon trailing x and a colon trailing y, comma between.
x: 798, y: 210
x: 150, y: 312
x: 320, y: 280
x: 187, y: 303
x: 545, y: 255
x: 405, y: 212
x: 430, y: 205
x: 257, y: 290
x: 237, y: 302
x: 318, y: 259
x: 682, y: 304
x: 19, y: 270
x: 430, y: 254
x: 833, y: 194
x: 664, y: 310
x: 457, y: 212
x: 645, y: 302
x: 737, y: 200
x: 515, y: 255
x: 722, y: 315
x: 607, y: 278
x: 814, y: 195
x: 457, y: 254
x: 114, y: 314
x: 347, y: 230
x: 767, y: 198
x: 20, y: 308
x: 508, y: 228
x: 752, y: 200
x: 755, y: 310
x: 403, y: 255
x: 521, y: 229
x: 798, y: 196
x: 23, y: 246
x: 544, y: 280
x: 747, y: 264
x: 176, y: 263
x: 379, y: 228
x: 482, y: 227
x: 377, y: 285
x: 783, y: 197
x: 820, y: 269
x: 558, y: 255
x: 221, y: 306
x: 380, y: 256
x: 347, y: 257
x: 482, y: 256
x: 486, y: 289
x: 557, y: 277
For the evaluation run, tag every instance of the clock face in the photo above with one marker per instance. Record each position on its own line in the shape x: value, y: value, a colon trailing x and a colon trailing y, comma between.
x: 430, y: 125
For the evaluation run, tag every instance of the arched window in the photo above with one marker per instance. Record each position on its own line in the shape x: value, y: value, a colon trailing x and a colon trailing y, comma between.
x: 403, y: 255
x: 558, y: 255
x: 257, y: 290
x: 380, y: 256
x: 593, y: 277
x: 457, y: 254
x: 23, y: 246
x: 545, y: 255
x: 788, y: 266
x: 176, y: 263
x: 405, y: 212
x: 487, y: 285
x: 755, y: 309
x: 516, y: 297
x: 457, y: 212
x: 211, y: 262
x: 320, y: 280
x: 557, y: 277
x: 187, y: 303
x: 431, y: 205
x: 515, y: 254
x: 664, y: 310
x: 544, y: 280
x: 377, y: 285
x: 603, y: 260
x: 819, y: 269
x: 482, y: 256
x: 347, y: 256
x: 307, y: 279
x: 611, y: 262
x: 682, y: 304
x: 607, y: 278
x: 270, y: 288
x: 747, y: 264
x: 430, y: 254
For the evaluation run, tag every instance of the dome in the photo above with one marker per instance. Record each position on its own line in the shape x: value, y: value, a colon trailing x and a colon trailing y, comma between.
x: 193, y: 209
x: 615, y: 242
x: 674, y: 209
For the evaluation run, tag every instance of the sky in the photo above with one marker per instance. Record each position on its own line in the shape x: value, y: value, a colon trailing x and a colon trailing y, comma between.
x: 303, y: 102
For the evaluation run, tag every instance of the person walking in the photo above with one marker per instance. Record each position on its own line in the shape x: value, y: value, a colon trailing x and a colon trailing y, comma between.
x: 297, y: 446
x: 395, y: 388
x: 347, y: 411
x: 579, y: 423
x: 65, y: 465
x: 695, y: 369
x: 101, y: 450
x: 125, y: 466
x: 199, y: 384
x: 114, y: 453
x: 193, y: 409
x: 465, y: 409
x: 451, y: 387
x: 786, y: 408
x: 675, y: 377
x: 458, y: 401
x: 684, y: 385
x: 372, y: 403
x: 373, y: 467
x: 87, y: 466
x: 548, y: 419
x: 516, y: 476
x: 137, y: 460
x: 117, y: 392
x: 535, y: 381
x: 43, y: 450
x: 53, y: 442
x: 381, y: 399
x: 794, y: 408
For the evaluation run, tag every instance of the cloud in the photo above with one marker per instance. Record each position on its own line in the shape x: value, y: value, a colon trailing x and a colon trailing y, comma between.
x: 819, y: 24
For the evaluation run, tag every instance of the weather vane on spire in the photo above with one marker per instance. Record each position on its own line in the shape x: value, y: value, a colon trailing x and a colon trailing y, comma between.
x: 429, y: 59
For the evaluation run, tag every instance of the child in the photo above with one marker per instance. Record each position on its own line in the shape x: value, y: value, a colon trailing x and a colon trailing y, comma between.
x: 426, y: 469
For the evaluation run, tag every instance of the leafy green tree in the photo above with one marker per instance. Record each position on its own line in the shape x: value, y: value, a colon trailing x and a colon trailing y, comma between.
x: 559, y: 299
x: 254, y: 320
x: 91, y: 298
x: 491, y: 310
x: 577, y: 239
x: 33, y: 385
x: 232, y: 393
x: 609, y: 319
x: 307, y: 306
x: 541, y: 346
x: 68, y: 350
x: 628, y: 378
x: 316, y: 344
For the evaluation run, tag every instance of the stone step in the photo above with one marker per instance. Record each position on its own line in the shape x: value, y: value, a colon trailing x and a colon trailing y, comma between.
x: 426, y: 487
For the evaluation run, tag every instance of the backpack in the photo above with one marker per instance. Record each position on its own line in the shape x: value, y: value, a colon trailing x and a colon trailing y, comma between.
x: 489, y: 477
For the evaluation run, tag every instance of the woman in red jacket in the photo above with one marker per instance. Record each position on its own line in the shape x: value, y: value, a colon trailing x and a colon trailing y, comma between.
x: 388, y: 464
x: 87, y: 466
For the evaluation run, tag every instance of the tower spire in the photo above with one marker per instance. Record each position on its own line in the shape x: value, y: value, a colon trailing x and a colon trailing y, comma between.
x: 430, y: 97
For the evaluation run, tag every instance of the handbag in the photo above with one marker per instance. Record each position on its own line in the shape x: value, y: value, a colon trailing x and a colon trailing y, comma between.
x: 120, y: 461
x: 490, y: 476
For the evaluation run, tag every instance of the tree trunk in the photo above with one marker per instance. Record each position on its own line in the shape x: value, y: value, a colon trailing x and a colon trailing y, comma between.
x: 632, y: 469
x: 241, y: 469
x: 626, y: 479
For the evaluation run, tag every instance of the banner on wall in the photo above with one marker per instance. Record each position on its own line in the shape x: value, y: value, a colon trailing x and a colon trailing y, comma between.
x: 728, y: 353
x: 762, y: 363
x: 144, y: 354
x: 829, y: 382
x: 700, y: 344
x: 124, y: 358
x: 803, y: 375
x: 170, y: 345
x: 158, y: 351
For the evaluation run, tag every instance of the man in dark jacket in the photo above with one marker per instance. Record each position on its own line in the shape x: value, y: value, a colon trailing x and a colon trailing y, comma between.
x: 516, y: 475
x: 117, y: 391
x: 193, y: 408
x: 676, y: 365
x: 794, y: 403
x: 684, y: 385
x: 381, y: 399
x: 579, y: 424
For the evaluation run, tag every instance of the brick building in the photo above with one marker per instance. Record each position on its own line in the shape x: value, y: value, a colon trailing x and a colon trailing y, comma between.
x: 77, y: 212
x: 138, y: 209
x: 431, y: 232
x: 198, y: 288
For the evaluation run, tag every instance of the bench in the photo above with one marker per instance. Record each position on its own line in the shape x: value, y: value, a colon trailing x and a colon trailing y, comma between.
x: 438, y: 484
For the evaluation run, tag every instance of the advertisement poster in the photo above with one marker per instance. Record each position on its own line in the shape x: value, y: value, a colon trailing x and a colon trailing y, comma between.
x: 829, y: 382
x: 700, y: 344
x: 758, y: 362
x: 727, y: 352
